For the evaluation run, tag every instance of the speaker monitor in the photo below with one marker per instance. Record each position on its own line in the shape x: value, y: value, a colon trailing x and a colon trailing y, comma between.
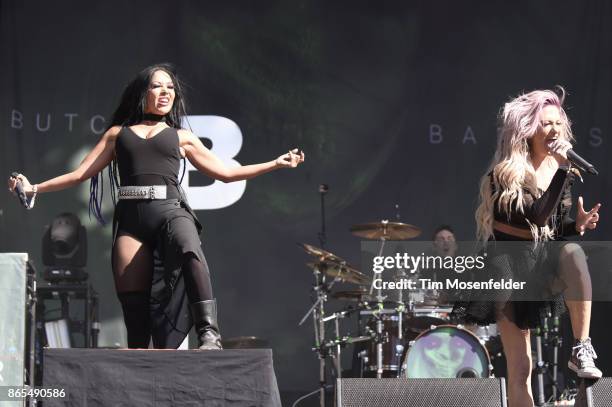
x: 595, y: 393
x: 13, y: 278
x: 421, y: 392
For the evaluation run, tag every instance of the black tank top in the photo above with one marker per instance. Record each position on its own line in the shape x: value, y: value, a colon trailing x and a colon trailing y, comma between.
x: 148, y: 161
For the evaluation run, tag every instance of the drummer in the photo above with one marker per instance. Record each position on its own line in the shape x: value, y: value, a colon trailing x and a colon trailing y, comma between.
x: 444, y: 242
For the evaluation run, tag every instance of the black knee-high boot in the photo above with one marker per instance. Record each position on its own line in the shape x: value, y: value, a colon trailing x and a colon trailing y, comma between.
x: 135, y: 306
x: 204, y: 315
x: 203, y: 306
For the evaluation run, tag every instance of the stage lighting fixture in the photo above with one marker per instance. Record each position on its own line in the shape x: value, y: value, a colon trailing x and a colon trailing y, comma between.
x: 64, y: 249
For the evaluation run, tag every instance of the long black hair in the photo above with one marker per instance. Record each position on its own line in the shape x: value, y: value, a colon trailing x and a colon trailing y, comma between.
x: 130, y: 111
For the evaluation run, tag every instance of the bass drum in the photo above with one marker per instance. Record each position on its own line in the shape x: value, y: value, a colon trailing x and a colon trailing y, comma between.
x: 446, y: 351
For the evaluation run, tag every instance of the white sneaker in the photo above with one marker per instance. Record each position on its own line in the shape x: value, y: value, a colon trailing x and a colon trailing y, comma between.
x: 582, y: 360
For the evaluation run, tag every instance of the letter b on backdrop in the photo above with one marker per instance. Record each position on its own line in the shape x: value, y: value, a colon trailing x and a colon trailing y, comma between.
x: 226, y: 140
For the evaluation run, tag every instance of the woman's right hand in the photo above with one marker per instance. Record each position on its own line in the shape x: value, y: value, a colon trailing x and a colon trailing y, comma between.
x: 12, y: 183
x: 558, y: 148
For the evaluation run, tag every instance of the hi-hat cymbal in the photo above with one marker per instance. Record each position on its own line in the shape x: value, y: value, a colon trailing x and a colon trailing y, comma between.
x: 385, y: 230
x: 342, y: 271
x: 323, y: 255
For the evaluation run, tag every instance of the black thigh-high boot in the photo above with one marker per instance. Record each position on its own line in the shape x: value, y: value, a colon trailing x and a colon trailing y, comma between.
x: 135, y: 306
x: 203, y: 306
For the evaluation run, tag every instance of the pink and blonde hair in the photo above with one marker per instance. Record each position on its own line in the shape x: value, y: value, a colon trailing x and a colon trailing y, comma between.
x: 511, y: 166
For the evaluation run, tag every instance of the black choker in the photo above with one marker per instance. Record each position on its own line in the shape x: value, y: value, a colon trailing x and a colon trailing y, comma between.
x: 151, y: 117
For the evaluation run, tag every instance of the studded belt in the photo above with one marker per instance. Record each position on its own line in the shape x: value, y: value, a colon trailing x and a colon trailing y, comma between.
x: 143, y: 192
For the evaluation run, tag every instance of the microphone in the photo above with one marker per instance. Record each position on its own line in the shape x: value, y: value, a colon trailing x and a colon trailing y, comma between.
x: 19, y: 190
x: 580, y: 162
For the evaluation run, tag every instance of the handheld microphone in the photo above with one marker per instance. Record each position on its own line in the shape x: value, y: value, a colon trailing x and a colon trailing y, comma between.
x: 580, y: 162
x: 19, y: 190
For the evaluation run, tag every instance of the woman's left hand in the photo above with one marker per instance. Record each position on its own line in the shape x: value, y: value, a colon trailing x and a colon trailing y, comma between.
x: 291, y: 159
x: 586, y: 220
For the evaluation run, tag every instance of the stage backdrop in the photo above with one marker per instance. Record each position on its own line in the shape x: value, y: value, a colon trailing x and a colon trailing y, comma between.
x: 393, y: 102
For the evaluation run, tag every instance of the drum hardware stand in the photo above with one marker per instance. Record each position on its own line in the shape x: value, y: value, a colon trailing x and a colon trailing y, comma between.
x: 380, y: 305
x: 339, y: 342
x: 318, y: 311
x: 363, y: 362
x: 322, y: 297
x: 401, y: 309
x: 543, y: 338
x: 540, y: 366
x: 557, y: 343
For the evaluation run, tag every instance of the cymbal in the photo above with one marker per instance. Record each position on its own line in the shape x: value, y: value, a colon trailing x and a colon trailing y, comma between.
x: 323, y: 255
x: 352, y: 295
x: 385, y: 230
x: 342, y: 271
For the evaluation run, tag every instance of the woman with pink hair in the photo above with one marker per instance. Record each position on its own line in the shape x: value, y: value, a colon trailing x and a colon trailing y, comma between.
x: 525, y: 196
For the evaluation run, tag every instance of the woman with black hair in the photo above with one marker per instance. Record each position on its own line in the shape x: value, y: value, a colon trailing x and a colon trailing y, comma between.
x: 161, y: 275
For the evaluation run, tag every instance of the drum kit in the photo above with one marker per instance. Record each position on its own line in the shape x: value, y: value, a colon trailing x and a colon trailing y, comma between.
x: 410, y: 336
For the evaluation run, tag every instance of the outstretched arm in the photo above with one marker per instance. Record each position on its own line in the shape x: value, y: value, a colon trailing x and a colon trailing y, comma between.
x: 208, y: 163
x: 95, y: 161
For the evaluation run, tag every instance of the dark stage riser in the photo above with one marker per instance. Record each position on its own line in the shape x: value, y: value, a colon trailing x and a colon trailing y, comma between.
x: 143, y: 378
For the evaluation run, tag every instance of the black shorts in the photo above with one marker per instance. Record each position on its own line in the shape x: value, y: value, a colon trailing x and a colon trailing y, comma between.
x: 146, y: 220
x: 171, y: 230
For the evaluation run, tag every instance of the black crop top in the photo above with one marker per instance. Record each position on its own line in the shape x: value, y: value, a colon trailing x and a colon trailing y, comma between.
x: 551, y: 208
x: 142, y: 160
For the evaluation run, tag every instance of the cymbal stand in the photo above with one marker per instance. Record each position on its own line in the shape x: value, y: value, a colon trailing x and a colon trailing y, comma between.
x: 546, y: 337
x: 318, y: 311
x: 338, y: 349
x: 321, y: 288
x: 557, y: 342
x: 552, y: 337
x: 540, y: 366
x: 323, y: 189
x: 401, y: 309
x: 380, y: 305
x: 318, y: 308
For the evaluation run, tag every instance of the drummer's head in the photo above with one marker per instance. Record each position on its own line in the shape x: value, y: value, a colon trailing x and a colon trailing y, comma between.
x: 444, y: 242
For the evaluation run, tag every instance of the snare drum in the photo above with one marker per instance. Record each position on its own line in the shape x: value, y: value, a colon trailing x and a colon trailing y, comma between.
x: 446, y: 351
